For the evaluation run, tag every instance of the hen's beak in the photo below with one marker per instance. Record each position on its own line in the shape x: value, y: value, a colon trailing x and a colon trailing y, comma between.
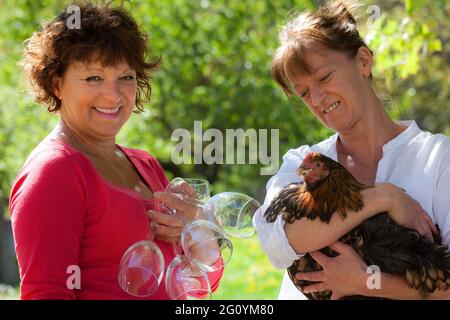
x: 303, y: 171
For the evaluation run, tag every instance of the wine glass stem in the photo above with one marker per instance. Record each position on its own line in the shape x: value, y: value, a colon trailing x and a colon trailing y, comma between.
x: 177, y: 248
x: 209, y: 214
x: 152, y: 231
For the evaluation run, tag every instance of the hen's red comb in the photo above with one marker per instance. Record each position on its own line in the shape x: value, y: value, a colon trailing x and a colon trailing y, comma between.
x: 309, y: 157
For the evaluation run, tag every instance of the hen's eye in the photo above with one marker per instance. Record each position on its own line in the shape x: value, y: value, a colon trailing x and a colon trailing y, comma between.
x: 317, y: 164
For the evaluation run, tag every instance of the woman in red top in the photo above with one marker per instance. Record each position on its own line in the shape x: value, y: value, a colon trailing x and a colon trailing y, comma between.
x: 79, y: 199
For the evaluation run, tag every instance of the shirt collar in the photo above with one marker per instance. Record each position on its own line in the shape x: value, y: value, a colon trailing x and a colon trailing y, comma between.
x: 411, y: 131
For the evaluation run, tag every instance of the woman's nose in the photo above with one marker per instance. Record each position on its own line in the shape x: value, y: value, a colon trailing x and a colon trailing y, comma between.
x: 112, y: 92
x: 317, y: 96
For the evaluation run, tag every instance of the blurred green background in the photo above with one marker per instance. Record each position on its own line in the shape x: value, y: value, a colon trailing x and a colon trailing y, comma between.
x: 216, y: 69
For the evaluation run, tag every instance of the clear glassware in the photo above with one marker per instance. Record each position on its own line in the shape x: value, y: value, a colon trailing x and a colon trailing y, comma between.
x: 232, y: 211
x: 186, y: 281
x: 202, y: 241
x: 207, y: 245
x: 201, y: 188
x: 206, y: 249
x: 204, y: 245
x: 141, y: 268
x: 186, y: 277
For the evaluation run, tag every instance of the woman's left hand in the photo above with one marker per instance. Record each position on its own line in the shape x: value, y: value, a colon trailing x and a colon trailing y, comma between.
x: 345, y: 274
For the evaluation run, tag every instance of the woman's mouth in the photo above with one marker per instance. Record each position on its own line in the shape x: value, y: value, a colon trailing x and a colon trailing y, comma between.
x: 332, y: 107
x: 108, y: 112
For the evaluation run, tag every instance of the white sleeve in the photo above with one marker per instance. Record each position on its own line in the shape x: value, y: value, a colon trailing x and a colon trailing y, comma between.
x: 272, y: 237
x: 441, y: 204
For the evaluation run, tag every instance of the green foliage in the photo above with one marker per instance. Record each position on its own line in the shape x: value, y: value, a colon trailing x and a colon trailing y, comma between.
x: 405, y: 48
x: 216, y: 69
x: 8, y: 292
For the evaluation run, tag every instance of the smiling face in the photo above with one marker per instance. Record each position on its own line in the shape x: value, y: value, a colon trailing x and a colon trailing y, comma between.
x: 336, y: 89
x: 97, y: 100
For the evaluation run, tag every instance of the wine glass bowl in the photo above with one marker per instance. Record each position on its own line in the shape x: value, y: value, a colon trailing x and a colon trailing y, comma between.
x: 233, y: 212
x: 186, y: 281
x: 176, y: 185
x: 201, y: 188
x: 141, y: 269
x: 207, y: 245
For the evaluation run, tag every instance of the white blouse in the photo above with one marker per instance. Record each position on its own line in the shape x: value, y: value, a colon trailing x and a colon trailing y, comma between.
x: 415, y: 160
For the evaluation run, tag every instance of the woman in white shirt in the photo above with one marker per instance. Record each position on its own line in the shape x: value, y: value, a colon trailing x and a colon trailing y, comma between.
x: 323, y: 59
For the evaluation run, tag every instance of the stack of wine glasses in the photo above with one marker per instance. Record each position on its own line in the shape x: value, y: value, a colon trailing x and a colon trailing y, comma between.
x: 204, y: 246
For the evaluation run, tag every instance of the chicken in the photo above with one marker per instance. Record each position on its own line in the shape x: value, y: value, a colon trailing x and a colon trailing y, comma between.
x: 329, y: 188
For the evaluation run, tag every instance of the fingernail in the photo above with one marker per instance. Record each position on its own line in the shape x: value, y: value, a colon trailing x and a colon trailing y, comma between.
x: 150, y: 214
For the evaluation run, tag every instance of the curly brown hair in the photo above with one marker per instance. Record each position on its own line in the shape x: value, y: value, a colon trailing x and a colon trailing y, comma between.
x: 106, y: 34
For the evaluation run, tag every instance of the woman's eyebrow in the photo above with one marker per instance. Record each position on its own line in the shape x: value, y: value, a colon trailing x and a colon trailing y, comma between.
x: 89, y: 69
x: 314, y: 70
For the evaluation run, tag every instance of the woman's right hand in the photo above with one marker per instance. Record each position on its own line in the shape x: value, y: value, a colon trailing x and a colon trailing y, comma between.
x: 406, y: 211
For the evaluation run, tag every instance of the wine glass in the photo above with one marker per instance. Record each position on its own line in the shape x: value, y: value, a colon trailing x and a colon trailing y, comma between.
x: 186, y: 281
x: 201, y: 188
x: 141, y: 268
x: 207, y: 245
x: 233, y: 212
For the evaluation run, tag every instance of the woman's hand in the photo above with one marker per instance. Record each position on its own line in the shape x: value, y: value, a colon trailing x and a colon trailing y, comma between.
x: 407, y: 212
x: 169, y: 227
x: 344, y: 275
x: 187, y: 208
